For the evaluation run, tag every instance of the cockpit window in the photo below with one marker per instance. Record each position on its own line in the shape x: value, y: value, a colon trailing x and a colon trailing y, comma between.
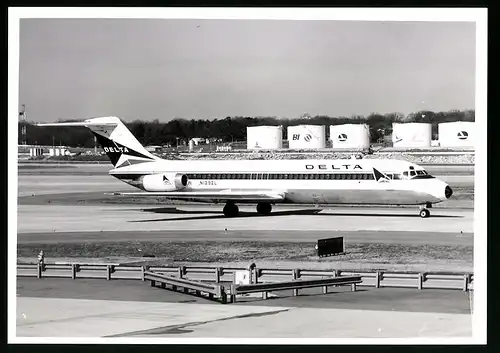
x: 413, y: 173
x: 405, y: 174
x: 421, y: 174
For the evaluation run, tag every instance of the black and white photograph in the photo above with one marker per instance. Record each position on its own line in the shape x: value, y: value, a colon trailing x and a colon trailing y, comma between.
x: 232, y: 175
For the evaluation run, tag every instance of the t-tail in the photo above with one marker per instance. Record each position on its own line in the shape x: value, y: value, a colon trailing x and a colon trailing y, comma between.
x: 120, y: 145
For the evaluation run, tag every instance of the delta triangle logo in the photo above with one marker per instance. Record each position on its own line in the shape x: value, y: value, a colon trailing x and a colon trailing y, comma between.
x: 380, y: 177
x: 165, y: 180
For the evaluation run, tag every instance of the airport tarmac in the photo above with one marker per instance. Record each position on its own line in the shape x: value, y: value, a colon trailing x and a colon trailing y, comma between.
x: 66, y: 308
x: 77, y: 213
x: 97, y: 218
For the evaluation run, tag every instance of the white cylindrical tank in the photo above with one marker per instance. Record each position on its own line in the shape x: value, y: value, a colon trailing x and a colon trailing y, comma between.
x: 456, y: 134
x: 411, y: 135
x: 306, y: 136
x: 264, y: 137
x: 356, y: 136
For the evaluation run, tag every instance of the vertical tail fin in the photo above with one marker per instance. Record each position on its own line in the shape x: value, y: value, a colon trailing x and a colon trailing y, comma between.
x: 117, y: 141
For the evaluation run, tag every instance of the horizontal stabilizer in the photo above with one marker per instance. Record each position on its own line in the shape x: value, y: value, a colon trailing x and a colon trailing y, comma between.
x: 85, y: 123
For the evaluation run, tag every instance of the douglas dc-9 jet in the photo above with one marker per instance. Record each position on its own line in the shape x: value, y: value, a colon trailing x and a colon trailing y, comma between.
x: 264, y: 182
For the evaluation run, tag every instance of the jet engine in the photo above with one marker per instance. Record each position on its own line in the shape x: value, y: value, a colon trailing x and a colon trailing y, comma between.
x: 164, y: 182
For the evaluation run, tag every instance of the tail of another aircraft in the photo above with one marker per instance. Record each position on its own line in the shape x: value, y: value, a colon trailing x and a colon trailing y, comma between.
x: 117, y: 141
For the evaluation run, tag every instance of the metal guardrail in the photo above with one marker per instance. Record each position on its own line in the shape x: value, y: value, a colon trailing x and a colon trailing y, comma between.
x: 294, y: 285
x: 375, y: 278
x: 213, y: 290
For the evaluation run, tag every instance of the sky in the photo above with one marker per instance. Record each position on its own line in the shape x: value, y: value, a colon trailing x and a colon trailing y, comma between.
x: 204, y: 69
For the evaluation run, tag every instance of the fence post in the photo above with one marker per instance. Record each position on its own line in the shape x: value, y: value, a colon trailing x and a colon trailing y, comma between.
x: 377, y: 279
x: 217, y: 274
x: 337, y: 274
x: 181, y: 271
x: 144, y: 268
x: 353, y: 287
x: 258, y: 273
x: 466, y: 282
x: 109, y: 270
x: 232, y: 294
x: 255, y: 275
x: 74, y: 270
x: 420, y: 280
x: 38, y: 270
x: 295, y: 276
x: 223, y: 296
x: 264, y: 295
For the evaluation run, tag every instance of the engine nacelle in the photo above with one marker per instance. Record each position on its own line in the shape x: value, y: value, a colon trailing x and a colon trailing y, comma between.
x: 164, y: 182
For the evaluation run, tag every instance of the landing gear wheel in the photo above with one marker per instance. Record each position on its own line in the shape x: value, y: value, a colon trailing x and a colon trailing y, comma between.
x: 424, y: 213
x: 264, y: 208
x: 230, y: 210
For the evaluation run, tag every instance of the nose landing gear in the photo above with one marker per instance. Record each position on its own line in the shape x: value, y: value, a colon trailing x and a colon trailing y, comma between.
x: 424, y: 212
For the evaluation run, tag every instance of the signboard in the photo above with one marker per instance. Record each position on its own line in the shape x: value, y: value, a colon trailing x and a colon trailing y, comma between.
x: 242, y: 277
x: 330, y: 246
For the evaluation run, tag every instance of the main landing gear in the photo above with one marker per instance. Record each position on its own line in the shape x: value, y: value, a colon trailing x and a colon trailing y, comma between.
x: 424, y: 212
x: 264, y: 208
x: 231, y: 210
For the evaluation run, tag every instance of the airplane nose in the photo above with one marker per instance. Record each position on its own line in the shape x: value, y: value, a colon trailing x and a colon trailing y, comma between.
x: 448, y: 192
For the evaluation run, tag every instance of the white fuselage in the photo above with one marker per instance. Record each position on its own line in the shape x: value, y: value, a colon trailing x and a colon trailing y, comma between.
x: 344, y: 181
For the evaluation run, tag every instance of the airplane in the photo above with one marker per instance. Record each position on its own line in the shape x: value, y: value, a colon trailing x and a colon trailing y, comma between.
x: 264, y: 182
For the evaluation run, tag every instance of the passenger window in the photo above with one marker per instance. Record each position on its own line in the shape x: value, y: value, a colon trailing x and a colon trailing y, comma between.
x: 264, y: 176
x: 259, y: 176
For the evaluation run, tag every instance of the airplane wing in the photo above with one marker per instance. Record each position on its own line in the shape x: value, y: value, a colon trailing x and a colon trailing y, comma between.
x: 224, y: 195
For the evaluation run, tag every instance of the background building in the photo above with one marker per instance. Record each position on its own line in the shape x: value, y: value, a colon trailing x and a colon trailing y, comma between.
x: 456, y: 134
x: 354, y: 136
x: 306, y: 136
x: 264, y: 137
x: 411, y: 135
